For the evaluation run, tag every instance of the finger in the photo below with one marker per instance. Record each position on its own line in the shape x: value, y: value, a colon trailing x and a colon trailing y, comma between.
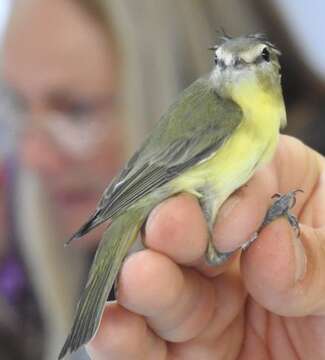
x: 292, y: 162
x: 243, y: 213
x: 125, y: 335
x: 178, y: 229
x: 223, y: 337
x: 284, y: 274
x: 314, y: 210
x: 178, y: 303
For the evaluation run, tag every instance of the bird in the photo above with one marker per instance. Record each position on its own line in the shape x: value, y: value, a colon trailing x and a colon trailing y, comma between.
x: 209, y: 143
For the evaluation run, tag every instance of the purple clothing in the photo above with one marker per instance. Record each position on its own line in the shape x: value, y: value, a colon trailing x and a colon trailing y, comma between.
x: 12, y: 275
x: 24, y: 338
x: 12, y: 279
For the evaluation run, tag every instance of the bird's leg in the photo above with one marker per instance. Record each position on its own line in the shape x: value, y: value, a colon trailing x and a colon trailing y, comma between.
x: 212, y: 255
x: 215, y: 257
x: 280, y: 208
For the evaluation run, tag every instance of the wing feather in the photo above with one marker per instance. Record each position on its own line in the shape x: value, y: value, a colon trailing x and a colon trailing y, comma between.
x: 192, y: 130
x: 181, y: 140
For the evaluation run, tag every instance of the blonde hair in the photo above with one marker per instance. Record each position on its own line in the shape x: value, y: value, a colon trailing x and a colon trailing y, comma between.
x: 163, y: 47
x: 160, y: 53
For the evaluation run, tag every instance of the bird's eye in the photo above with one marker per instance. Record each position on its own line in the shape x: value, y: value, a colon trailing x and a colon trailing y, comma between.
x: 216, y: 60
x: 266, y: 55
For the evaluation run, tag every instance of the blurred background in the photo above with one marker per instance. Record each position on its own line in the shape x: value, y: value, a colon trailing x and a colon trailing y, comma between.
x: 4, y: 14
x: 82, y: 82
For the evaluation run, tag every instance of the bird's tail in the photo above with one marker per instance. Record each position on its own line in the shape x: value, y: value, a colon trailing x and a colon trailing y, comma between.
x: 94, y: 221
x: 108, y: 259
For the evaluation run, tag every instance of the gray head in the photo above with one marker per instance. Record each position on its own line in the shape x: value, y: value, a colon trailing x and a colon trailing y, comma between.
x: 238, y: 58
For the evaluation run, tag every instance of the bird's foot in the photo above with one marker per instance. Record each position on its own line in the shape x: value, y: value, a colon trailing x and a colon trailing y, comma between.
x: 280, y: 208
x: 214, y: 257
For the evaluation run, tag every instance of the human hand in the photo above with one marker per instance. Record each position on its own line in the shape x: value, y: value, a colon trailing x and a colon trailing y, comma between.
x: 266, y: 302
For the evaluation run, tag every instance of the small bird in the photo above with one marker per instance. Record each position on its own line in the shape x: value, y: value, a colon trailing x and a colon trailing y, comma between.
x: 209, y: 143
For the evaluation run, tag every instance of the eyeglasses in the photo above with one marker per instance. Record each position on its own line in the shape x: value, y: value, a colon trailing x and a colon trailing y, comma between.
x: 75, y: 126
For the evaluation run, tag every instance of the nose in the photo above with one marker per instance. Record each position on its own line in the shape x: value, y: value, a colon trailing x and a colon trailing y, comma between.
x: 39, y: 154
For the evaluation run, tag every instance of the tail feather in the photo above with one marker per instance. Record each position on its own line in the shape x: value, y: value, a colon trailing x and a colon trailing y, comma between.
x: 94, y: 220
x: 109, y: 256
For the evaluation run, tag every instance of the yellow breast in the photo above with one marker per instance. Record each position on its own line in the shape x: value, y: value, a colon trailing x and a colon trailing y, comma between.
x: 253, y: 143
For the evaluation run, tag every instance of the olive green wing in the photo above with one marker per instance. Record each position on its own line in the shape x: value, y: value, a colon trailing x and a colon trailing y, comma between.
x: 193, y: 128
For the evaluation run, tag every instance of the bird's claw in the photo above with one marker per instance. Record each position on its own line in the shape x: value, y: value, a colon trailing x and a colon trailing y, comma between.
x: 280, y: 207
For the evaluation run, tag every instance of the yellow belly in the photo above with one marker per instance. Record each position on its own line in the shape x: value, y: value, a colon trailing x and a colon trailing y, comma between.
x: 252, y: 144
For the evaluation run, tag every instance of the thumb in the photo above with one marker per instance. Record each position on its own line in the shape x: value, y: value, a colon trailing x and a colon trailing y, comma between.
x: 285, y: 273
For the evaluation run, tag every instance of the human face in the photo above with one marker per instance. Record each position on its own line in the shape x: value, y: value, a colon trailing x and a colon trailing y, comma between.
x: 62, y: 70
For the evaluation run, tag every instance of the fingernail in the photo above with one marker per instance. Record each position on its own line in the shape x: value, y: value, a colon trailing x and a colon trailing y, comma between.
x: 228, y: 206
x: 300, y: 258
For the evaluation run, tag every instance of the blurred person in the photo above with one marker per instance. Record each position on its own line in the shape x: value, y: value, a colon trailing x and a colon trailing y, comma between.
x: 83, y: 81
